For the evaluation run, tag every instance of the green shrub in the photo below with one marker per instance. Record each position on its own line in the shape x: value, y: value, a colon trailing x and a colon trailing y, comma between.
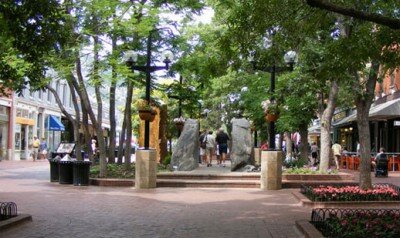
x: 167, y: 159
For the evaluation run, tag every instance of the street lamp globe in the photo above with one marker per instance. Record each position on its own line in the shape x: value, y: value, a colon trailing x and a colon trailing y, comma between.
x: 290, y: 57
x: 167, y: 57
x: 130, y: 57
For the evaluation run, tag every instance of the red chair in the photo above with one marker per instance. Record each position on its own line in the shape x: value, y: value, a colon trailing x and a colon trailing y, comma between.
x: 343, y: 162
x: 356, y: 163
x: 394, y: 163
x: 350, y: 162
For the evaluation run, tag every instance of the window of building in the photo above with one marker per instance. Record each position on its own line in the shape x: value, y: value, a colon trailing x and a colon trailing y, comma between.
x: 49, y: 96
x: 64, y: 94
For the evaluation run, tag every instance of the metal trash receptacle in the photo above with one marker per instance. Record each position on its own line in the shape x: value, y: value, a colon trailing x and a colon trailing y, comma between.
x: 81, y: 170
x: 65, y: 172
x: 54, y: 169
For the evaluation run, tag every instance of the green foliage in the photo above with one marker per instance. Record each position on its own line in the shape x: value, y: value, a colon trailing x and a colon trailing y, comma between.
x: 29, y: 31
x: 114, y: 171
x: 167, y: 159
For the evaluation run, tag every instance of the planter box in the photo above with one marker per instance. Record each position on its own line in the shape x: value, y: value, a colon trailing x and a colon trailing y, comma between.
x: 318, y: 177
x: 306, y: 202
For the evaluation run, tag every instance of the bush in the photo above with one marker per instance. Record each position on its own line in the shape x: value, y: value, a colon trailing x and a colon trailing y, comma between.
x: 167, y: 159
x: 114, y: 171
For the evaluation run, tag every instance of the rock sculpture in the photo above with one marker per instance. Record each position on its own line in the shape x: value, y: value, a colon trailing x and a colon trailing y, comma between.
x: 241, y: 148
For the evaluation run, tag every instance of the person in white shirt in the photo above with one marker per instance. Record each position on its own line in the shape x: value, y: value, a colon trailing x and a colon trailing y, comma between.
x: 337, y: 152
x: 210, y: 148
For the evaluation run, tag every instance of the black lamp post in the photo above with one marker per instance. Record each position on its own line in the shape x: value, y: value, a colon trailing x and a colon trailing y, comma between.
x: 290, y: 58
x: 131, y: 58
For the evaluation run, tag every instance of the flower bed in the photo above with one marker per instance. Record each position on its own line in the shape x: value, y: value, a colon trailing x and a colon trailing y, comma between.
x: 347, y: 192
x: 357, y: 222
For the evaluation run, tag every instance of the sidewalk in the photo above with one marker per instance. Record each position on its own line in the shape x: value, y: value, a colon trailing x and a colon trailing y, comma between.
x: 69, y: 211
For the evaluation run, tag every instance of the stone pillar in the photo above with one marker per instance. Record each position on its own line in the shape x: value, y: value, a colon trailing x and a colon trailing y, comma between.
x: 271, y: 170
x: 146, y: 169
x: 257, y: 156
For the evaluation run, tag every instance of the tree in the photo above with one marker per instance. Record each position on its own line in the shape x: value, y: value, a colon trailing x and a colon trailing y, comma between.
x: 29, y: 31
x: 390, y: 20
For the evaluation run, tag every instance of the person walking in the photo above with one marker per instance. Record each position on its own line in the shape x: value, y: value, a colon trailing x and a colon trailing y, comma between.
x: 35, y: 148
x: 43, y: 148
x: 314, y: 154
x: 337, y: 152
x: 222, y: 141
x: 210, y: 148
x: 203, y: 142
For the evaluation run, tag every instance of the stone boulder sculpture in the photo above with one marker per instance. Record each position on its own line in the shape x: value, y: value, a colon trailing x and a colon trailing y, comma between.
x: 241, y: 148
x: 185, y: 156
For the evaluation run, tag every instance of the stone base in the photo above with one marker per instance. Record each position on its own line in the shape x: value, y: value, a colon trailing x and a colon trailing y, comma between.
x: 257, y: 156
x: 271, y: 170
x: 146, y: 169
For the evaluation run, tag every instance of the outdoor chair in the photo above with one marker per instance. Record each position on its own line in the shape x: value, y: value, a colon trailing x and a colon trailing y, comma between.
x: 394, y: 163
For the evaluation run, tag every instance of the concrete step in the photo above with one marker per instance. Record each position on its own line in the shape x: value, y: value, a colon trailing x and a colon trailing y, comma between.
x: 208, y: 183
x: 228, y: 176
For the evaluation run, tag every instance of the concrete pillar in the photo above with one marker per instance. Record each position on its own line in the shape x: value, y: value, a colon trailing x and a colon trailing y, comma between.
x: 257, y: 156
x: 271, y: 170
x: 146, y: 169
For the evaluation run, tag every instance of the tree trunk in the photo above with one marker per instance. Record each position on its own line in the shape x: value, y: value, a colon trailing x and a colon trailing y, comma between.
x: 326, y: 120
x: 363, y: 103
x: 128, y: 116
x: 162, y: 132
x: 113, y: 123
x: 121, y: 144
x: 289, y: 147
x: 82, y: 92
x: 303, y: 131
x: 76, y: 123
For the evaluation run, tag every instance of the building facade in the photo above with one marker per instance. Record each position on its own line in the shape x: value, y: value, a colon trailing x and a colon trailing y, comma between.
x: 384, y: 118
x: 37, y: 114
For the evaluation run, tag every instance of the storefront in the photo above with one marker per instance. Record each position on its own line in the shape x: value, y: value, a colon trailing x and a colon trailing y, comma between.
x: 4, y: 129
x: 384, y: 124
x: 23, y: 134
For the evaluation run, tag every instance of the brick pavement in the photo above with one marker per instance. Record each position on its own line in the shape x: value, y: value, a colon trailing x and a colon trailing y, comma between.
x: 69, y: 211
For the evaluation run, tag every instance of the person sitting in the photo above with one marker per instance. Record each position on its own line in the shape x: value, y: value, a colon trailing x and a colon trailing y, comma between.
x: 380, y: 163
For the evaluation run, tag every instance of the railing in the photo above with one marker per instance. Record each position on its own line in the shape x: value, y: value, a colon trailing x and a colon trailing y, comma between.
x: 322, y: 218
x: 7, y: 210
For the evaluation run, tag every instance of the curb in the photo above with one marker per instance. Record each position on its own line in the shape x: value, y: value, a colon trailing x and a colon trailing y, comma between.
x: 307, y: 229
x: 21, y: 218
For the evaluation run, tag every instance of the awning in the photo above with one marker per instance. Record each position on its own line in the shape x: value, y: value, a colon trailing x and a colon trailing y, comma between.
x: 54, y: 124
x: 387, y: 110
x: 315, y: 129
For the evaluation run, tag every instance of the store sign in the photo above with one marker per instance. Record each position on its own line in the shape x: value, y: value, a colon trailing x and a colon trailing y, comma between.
x: 339, y: 116
x: 396, y: 123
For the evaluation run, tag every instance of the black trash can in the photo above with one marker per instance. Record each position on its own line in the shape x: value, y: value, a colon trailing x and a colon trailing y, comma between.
x: 54, y: 170
x: 81, y: 171
x: 65, y: 170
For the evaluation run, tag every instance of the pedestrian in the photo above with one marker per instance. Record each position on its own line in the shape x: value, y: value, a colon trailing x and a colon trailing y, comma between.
x: 35, y: 148
x: 94, y: 150
x: 210, y: 148
x: 222, y: 141
x: 314, y: 154
x: 43, y: 148
x: 337, y: 152
x: 380, y: 156
x: 203, y: 157
x: 264, y: 145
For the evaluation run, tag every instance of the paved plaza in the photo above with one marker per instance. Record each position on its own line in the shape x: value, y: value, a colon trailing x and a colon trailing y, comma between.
x: 70, y: 211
